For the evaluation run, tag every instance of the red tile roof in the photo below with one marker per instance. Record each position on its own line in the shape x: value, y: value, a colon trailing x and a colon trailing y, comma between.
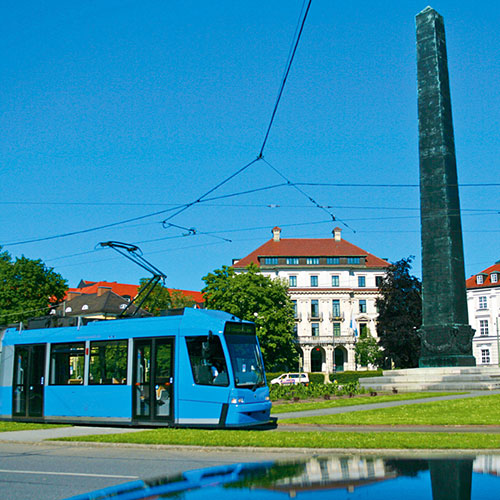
x: 495, y: 268
x: 122, y: 289
x: 310, y: 247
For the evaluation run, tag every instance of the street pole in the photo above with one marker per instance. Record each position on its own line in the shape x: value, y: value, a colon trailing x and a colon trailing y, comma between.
x: 498, y: 343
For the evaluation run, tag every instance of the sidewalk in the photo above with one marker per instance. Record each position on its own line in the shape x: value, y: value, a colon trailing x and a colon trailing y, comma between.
x: 39, y: 435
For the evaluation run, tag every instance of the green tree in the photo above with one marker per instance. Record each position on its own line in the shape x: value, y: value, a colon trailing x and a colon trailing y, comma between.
x: 400, y: 314
x: 368, y: 352
x: 254, y: 297
x: 27, y: 288
x: 162, y: 298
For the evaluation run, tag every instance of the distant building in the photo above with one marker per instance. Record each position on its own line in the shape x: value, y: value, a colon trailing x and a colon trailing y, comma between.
x: 333, y: 285
x: 126, y: 291
x: 483, y: 301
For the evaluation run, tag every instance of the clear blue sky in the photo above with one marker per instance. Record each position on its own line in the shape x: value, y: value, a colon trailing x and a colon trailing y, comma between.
x: 114, y: 109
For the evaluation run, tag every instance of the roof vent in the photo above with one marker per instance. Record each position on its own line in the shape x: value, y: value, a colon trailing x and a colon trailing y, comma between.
x: 276, y: 233
x: 337, y: 233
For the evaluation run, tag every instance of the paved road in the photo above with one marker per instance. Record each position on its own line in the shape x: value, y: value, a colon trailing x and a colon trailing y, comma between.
x: 49, y: 472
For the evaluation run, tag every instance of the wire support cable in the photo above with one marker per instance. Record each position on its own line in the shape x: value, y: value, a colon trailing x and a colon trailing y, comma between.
x: 285, y: 76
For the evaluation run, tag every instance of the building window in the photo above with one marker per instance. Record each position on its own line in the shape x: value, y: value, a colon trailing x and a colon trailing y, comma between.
x: 336, y: 308
x: 315, y: 329
x: 333, y: 260
x: 294, y: 302
x: 314, y: 281
x: 292, y: 261
x: 67, y: 362
x: 314, y: 309
x: 485, y: 356
x: 479, y: 279
x: 361, y: 281
x: 353, y: 260
x: 108, y: 362
x: 295, y: 329
x: 336, y: 329
x: 363, y: 330
x: 271, y: 261
x: 292, y: 281
x: 378, y: 281
x: 312, y: 261
x: 362, y: 306
x: 335, y: 281
x: 494, y: 277
x: 483, y: 302
x: 483, y: 327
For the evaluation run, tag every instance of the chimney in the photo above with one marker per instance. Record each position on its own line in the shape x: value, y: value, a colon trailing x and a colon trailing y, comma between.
x: 276, y: 233
x: 336, y: 233
x: 72, y: 295
x: 101, y: 290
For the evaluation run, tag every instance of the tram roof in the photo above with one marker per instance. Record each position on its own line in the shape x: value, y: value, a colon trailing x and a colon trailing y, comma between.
x: 193, y: 321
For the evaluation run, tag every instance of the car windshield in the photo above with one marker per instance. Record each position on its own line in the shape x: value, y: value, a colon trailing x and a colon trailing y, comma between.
x: 245, y: 356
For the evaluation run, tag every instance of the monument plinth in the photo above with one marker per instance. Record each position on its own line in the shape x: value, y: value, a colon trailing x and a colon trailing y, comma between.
x: 445, y: 333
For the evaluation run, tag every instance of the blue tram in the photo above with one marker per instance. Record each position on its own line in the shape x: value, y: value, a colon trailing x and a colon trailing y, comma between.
x: 192, y: 368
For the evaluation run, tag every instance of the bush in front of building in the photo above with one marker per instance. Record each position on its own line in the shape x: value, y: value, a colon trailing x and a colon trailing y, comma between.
x: 314, y: 391
x: 349, y: 377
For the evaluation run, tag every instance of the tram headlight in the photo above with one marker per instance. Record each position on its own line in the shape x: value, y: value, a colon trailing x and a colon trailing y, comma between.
x: 235, y: 401
x: 267, y: 398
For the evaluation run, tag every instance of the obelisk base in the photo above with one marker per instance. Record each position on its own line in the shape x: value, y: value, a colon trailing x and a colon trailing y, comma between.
x: 446, y: 345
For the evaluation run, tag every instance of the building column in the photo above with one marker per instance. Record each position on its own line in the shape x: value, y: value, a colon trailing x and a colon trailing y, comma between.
x: 306, y: 349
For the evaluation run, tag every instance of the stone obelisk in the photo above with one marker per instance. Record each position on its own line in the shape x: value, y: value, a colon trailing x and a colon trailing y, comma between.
x: 445, y: 333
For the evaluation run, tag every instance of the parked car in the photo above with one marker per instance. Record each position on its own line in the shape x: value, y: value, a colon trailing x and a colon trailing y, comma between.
x: 291, y: 379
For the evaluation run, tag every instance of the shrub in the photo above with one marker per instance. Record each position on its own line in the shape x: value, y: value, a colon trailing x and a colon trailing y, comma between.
x: 314, y: 391
x: 316, y: 378
x: 347, y: 377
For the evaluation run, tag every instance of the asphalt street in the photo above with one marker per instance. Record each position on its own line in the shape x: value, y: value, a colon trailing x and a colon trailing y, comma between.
x: 51, y: 472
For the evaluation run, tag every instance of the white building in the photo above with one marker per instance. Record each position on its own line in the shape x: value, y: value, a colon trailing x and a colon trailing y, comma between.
x: 483, y: 303
x: 333, y: 284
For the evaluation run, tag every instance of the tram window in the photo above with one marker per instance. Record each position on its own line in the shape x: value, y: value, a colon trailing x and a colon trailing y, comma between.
x: 108, y: 362
x: 67, y: 363
x: 207, y: 360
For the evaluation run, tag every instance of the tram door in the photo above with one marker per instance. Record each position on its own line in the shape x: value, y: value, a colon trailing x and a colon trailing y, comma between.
x: 29, y: 372
x: 153, y: 379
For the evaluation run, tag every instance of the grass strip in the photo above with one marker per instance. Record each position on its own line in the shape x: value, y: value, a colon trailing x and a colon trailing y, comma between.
x: 21, y: 426
x: 365, y: 400
x: 480, y: 410
x: 276, y: 439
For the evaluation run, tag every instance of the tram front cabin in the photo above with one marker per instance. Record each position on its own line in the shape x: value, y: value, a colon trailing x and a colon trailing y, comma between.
x: 194, y: 368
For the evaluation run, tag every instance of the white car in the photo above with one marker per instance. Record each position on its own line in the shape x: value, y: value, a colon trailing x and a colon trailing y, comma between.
x: 291, y: 379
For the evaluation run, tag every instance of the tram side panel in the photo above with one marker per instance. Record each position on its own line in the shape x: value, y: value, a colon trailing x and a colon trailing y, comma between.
x: 203, y: 388
x: 6, y: 370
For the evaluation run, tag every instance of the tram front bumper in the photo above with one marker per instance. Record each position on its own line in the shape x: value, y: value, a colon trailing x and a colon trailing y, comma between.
x: 243, y: 414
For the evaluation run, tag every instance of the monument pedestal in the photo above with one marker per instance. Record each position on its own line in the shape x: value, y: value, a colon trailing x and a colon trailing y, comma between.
x: 479, y: 378
x: 446, y: 345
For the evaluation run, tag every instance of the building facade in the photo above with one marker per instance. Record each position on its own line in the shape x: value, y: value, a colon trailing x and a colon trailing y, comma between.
x: 483, y: 303
x: 333, y: 285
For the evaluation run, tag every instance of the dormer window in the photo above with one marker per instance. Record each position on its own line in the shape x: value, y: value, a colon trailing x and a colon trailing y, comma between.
x: 494, y: 277
x: 479, y: 279
x: 68, y: 309
x: 353, y: 260
x: 311, y: 261
x: 85, y: 307
x: 292, y: 261
x: 271, y: 261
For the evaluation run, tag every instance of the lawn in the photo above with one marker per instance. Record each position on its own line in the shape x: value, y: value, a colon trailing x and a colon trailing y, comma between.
x: 481, y: 410
x: 289, y: 406
x: 356, y: 440
x: 21, y: 426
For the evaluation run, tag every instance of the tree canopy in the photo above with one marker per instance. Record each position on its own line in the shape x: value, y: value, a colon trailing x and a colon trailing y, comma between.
x: 27, y: 288
x: 254, y: 297
x: 400, y: 314
x: 162, y: 298
x: 368, y: 352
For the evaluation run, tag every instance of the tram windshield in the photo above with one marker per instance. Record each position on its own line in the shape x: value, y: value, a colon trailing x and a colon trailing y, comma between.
x: 245, y: 355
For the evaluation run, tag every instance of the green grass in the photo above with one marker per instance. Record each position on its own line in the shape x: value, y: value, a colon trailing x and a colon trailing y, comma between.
x: 21, y: 426
x: 481, y: 410
x: 364, y: 400
x: 357, y: 440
